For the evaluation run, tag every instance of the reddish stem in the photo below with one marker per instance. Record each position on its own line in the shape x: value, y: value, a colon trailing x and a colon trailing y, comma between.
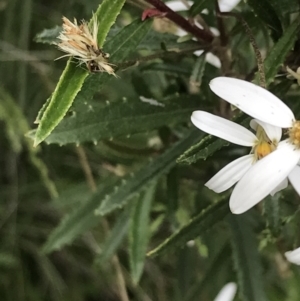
x: 199, y: 33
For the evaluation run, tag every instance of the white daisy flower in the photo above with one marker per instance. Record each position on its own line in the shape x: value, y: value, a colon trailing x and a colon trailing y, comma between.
x: 293, y: 256
x: 263, y: 143
x: 266, y: 174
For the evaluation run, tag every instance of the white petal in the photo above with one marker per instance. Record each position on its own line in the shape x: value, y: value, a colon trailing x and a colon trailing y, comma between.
x: 227, y: 5
x: 294, y: 178
x: 263, y: 177
x: 227, y: 293
x: 293, y: 256
x: 281, y: 186
x: 223, y: 128
x: 230, y: 174
x: 178, y: 5
x: 273, y: 132
x: 255, y: 101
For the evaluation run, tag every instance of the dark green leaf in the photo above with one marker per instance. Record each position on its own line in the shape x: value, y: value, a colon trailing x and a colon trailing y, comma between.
x: 121, y: 119
x: 265, y: 11
x: 133, y: 184
x: 77, y: 222
x: 198, y: 225
x: 199, y: 5
x: 246, y: 259
x: 72, y: 79
x: 207, y: 146
x: 119, y: 47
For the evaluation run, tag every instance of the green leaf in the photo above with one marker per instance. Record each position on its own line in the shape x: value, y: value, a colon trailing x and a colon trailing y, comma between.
x: 121, y: 119
x: 280, y: 50
x: 272, y: 214
x: 199, y: 5
x: 207, y: 146
x: 134, y: 183
x: 139, y: 233
x: 285, y: 7
x: 115, y: 238
x: 155, y: 41
x: 119, y: 47
x: 198, y: 225
x: 106, y: 14
x: 246, y: 259
x: 198, y: 72
x: 78, y: 221
x: 48, y: 36
x: 72, y: 79
x: 213, y: 269
x: 265, y: 11
x: 16, y: 127
x: 67, y: 88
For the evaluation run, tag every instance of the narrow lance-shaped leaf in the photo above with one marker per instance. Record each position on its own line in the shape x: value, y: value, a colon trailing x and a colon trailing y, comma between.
x: 246, y: 259
x: 198, y: 225
x: 265, y: 11
x: 133, y: 184
x: 73, y: 77
x: 120, y: 119
x: 78, y: 221
x: 208, y: 145
x: 139, y: 233
x: 280, y: 50
x: 115, y: 237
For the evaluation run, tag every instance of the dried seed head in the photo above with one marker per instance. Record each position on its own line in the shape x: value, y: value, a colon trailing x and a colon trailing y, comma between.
x: 80, y: 41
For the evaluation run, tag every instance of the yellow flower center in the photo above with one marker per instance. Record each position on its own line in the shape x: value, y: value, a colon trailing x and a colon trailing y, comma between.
x: 264, y: 145
x: 294, y: 133
x: 263, y: 149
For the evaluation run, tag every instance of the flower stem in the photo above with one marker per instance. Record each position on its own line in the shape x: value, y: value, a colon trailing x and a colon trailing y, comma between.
x: 199, y: 33
x: 120, y: 280
x: 260, y: 63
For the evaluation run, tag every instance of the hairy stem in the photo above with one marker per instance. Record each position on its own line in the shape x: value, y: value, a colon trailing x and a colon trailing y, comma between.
x: 260, y: 64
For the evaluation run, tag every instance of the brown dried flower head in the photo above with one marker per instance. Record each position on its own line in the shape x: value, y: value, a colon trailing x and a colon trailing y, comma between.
x: 80, y: 41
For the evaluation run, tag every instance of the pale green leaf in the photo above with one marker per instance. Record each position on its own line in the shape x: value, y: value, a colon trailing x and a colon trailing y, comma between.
x: 48, y: 36
x: 280, y: 50
x: 115, y: 237
x: 139, y: 233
